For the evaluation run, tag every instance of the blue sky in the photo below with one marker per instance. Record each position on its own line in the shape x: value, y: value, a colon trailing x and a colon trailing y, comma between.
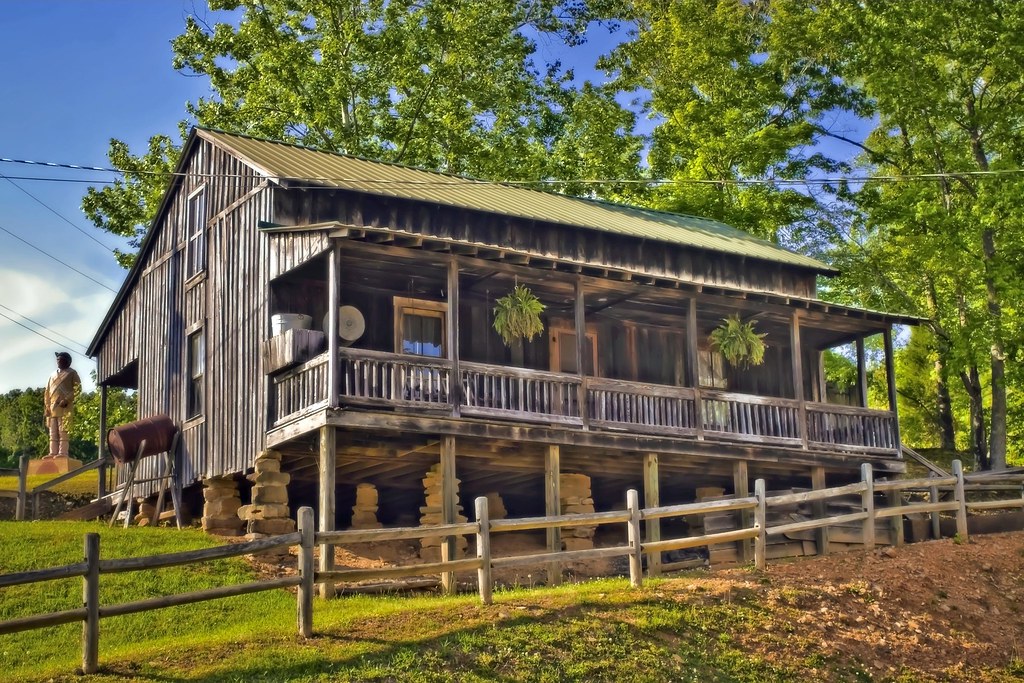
x: 76, y: 74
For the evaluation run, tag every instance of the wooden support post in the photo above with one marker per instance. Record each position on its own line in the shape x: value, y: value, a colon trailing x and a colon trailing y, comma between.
x: 581, y: 355
x: 760, y: 521
x: 822, y: 384
x: 652, y: 496
x: 741, y: 488
x: 333, y: 303
x: 22, y: 502
x: 933, y: 497
x: 91, y: 602
x: 455, y: 381
x: 890, y: 373
x: 895, y: 499
x: 483, y: 550
x: 449, y: 507
x: 820, y: 510
x: 798, y: 373
x: 961, y: 500
x: 862, y: 375
x: 101, y: 481
x: 307, y: 531
x: 636, y: 567
x: 693, y: 366
x: 328, y: 474
x: 553, y: 508
x: 868, y: 503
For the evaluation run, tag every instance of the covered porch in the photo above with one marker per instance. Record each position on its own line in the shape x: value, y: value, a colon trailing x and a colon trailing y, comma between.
x: 643, y: 365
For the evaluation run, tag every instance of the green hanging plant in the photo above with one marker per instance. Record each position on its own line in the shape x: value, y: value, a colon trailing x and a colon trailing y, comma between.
x: 738, y: 342
x: 517, y: 315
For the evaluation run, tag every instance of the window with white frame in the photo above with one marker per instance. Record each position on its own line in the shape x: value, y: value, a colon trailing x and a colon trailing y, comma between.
x: 195, y: 248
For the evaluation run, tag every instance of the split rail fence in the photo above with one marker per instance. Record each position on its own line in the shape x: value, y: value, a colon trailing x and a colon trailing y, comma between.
x: 752, y: 509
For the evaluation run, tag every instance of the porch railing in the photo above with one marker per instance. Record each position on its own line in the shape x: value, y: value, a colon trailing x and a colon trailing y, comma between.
x: 377, y: 378
x: 299, y: 390
x: 745, y: 417
x: 530, y: 395
x: 641, y: 407
x: 863, y: 429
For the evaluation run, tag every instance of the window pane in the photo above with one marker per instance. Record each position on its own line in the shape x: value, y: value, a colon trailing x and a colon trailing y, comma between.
x: 422, y: 335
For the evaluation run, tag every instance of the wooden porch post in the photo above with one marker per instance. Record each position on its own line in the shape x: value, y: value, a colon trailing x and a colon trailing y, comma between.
x: 455, y: 382
x: 692, y: 366
x: 101, y: 482
x: 581, y: 346
x: 862, y: 375
x: 553, y: 508
x: 741, y: 488
x: 890, y: 374
x: 328, y: 474
x: 652, y: 497
x: 333, y: 302
x: 449, y: 508
x: 798, y: 373
x: 820, y: 510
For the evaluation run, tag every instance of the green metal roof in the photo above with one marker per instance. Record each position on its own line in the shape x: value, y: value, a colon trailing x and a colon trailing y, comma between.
x: 327, y: 169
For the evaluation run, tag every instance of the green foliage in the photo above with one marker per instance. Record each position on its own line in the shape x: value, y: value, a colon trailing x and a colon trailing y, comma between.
x: 454, y: 88
x: 517, y: 315
x: 738, y: 342
x: 22, y: 427
x: 732, y: 97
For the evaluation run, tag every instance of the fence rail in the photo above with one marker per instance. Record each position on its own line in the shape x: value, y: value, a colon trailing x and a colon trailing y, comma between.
x: 635, y: 549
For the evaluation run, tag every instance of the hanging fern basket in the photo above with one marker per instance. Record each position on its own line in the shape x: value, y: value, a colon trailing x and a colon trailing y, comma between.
x: 517, y: 315
x: 738, y: 342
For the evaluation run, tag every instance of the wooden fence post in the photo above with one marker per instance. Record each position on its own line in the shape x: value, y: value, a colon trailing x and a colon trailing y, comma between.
x: 483, y: 550
x: 760, y: 521
x: 933, y: 497
x: 19, y: 512
x: 961, y: 500
x: 307, y: 530
x: 636, y: 568
x: 868, y: 503
x: 91, y: 602
x: 820, y: 508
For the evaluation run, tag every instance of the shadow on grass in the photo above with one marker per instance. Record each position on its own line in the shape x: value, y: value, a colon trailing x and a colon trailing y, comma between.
x: 642, y: 639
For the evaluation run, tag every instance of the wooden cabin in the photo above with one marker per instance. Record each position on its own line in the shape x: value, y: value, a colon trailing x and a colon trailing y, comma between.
x: 401, y: 371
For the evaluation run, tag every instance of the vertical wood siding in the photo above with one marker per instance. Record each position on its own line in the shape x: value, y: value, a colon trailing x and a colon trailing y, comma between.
x: 228, y: 302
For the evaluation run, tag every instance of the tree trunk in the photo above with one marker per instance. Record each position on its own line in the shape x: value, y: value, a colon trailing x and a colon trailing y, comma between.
x: 979, y: 444
x: 997, y: 447
x: 947, y: 435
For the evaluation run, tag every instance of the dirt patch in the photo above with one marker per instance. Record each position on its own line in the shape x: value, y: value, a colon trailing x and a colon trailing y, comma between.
x: 938, y: 608
x: 51, y: 505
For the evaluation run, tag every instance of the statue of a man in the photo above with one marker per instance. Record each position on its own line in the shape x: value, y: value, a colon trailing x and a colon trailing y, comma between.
x: 59, y: 403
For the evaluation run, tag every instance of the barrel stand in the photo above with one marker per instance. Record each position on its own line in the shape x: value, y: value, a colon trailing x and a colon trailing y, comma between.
x: 168, y: 478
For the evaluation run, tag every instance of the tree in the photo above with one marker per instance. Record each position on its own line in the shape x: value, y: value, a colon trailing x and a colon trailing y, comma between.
x: 733, y: 98
x: 22, y: 429
x: 85, y: 430
x: 447, y: 86
x: 945, y: 246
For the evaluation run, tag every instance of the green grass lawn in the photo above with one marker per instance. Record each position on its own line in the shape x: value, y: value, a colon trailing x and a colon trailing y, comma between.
x: 82, y: 485
x: 695, y: 627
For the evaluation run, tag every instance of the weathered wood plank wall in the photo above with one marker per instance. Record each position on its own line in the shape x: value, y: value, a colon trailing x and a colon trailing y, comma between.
x: 303, y: 207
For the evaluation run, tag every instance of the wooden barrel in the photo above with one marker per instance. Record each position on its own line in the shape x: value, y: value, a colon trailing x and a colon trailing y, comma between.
x: 124, y: 441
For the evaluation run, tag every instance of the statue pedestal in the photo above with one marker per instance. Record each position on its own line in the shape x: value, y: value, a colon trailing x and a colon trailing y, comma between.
x: 53, y: 464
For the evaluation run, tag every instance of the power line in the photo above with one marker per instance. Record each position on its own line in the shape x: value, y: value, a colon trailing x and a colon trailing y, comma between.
x: 57, y: 214
x: 39, y: 324
x: 468, y: 182
x: 63, y: 263
x: 40, y: 334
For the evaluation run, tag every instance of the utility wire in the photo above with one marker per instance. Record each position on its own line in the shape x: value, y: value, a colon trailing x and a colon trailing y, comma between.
x: 468, y: 182
x: 57, y: 214
x: 40, y: 334
x: 63, y: 263
x: 39, y: 324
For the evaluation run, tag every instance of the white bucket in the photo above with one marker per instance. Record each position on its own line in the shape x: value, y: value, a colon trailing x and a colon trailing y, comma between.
x: 280, y: 322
